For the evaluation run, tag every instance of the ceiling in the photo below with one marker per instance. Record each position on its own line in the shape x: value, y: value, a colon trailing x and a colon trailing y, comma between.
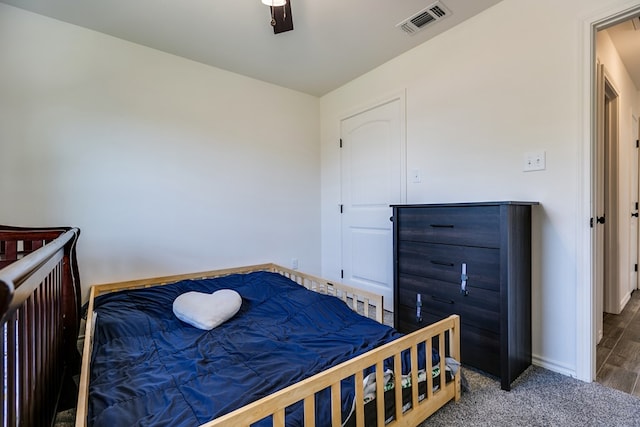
x: 333, y: 41
x: 627, y: 42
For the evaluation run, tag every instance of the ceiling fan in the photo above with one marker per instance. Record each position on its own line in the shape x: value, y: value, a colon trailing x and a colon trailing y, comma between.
x: 281, y: 18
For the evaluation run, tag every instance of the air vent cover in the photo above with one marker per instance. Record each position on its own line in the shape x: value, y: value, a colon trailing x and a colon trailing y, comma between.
x: 423, y: 18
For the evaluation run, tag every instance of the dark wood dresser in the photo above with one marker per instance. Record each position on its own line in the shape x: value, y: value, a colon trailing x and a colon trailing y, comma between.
x: 471, y: 259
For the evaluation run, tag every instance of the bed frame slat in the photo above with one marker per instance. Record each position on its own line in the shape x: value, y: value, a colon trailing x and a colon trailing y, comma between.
x: 278, y: 418
x: 397, y: 388
x: 442, y: 362
x: 309, y: 411
x: 429, y: 365
x: 359, y: 396
x: 336, y: 404
x: 380, y: 393
x: 414, y: 377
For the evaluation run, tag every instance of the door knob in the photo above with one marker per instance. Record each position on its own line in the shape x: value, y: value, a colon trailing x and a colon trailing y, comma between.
x: 600, y: 219
x: 635, y: 214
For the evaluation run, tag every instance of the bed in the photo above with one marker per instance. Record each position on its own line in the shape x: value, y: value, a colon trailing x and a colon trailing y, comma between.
x: 317, y: 399
x: 326, y: 389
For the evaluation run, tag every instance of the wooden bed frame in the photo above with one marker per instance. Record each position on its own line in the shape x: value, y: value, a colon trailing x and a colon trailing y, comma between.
x: 40, y: 309
x: 446, y: 332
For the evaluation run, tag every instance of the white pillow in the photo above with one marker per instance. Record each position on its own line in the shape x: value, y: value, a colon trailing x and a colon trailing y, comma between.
x: 206, y: 311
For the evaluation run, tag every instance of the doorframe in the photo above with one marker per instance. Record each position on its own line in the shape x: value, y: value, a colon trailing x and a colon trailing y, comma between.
x: 586, y: 310
x: 635, y: 198
x: 633, y: 282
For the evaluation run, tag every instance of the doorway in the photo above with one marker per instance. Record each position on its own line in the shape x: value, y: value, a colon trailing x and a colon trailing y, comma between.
x: 614, y: 183
x: 606, y: 200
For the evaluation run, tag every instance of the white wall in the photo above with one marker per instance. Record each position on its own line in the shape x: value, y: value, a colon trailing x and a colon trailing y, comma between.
x: 167, y: 165
x: 479, y: 96
x: 616, y: 72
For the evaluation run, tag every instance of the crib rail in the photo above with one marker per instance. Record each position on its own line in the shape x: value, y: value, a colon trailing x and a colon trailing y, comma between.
x: 39, y: 312
x: 17, y: 242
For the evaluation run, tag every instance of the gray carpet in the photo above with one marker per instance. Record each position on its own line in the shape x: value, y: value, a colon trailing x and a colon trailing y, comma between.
x: 66, y: 418
x: 538, y: 397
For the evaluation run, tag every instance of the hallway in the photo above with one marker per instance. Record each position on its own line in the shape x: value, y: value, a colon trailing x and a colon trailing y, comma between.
x: 618, y: 354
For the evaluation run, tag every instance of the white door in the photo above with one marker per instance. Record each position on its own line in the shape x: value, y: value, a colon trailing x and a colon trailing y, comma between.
x: 612, y: 224
x: 372, y: 158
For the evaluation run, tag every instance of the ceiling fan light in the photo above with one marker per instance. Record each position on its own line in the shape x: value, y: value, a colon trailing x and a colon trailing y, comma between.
x: 274, y: 3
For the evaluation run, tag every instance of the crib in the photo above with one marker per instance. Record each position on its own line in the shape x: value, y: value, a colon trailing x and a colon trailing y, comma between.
x: 40, y: 306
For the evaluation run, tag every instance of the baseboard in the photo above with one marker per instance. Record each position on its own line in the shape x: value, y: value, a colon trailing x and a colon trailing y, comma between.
x: 625, y: 300
x: 554, y: 366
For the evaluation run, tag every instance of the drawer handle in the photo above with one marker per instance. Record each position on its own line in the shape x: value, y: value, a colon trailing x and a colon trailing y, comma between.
x: 443, y: 300
x: 446, y: 264
x: 463, y: 280
x: 441, y: 225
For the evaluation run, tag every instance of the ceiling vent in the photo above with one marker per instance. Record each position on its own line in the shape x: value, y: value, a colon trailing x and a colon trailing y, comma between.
x: 422, y: 19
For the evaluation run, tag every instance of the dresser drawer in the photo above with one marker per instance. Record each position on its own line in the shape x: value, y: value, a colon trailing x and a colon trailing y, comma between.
x: 478, y: 347
x: 479, y: 308
x: 481, y: 349
x: 407, y: 321
x: 444, y: 262
x: 475, y: 297
x: 472, y: 226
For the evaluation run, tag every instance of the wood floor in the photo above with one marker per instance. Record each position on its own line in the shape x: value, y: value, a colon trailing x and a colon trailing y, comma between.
x: 618, y: 354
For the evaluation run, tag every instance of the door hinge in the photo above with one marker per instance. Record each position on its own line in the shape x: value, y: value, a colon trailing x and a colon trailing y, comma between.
x: 340, y: 142
x: 341, y: 209
x: 635, y: 268
x: 591, y: 222
x: 637, y: 143
x: 342, y: 274
x: 636, y: 205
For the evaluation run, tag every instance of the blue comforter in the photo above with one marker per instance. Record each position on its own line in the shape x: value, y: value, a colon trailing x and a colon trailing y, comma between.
x: 149, y: 368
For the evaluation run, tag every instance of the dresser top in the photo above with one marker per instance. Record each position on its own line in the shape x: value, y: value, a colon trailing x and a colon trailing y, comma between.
x: 435, y: 205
